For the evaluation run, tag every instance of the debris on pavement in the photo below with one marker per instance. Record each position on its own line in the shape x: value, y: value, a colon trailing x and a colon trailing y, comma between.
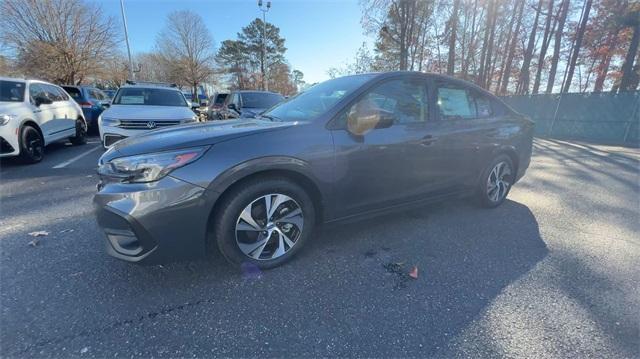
x: 39, y: 233
x: 34, y: 243
x: 66, y: 230
x: 414, y: 272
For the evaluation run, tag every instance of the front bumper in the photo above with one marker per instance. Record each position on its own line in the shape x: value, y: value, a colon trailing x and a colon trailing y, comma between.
x: 152, y: 223
x: 9, y: 145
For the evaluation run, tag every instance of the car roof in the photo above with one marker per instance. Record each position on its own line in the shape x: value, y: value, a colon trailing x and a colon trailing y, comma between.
x: 156, y: 87
x: 257, y: 91
x: 17, y: 79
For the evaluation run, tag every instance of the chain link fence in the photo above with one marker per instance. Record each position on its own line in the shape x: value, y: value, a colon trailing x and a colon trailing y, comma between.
x: 596, y: 117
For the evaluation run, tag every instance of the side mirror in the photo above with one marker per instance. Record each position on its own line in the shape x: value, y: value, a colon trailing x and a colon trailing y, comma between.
x: 361, y: 122
x: 106, y: 104
x: 41, y: 100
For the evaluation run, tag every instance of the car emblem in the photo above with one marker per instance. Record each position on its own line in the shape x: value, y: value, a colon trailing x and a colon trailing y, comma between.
x: 151, y: 124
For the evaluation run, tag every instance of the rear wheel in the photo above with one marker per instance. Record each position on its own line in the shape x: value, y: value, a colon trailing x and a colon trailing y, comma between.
x: 31, y: 145
x: 81, y: 133
x: 264, y: 223
x: 496, y: 182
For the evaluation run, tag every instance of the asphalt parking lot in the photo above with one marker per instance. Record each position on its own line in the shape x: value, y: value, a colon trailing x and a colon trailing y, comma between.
x: 554, y: 272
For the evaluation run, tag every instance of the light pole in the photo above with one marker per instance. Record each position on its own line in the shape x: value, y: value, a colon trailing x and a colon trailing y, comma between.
x: 126, y: 39
x: 265, y: 85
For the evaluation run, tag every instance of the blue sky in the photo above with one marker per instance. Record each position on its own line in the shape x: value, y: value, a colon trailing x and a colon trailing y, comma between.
x: 319, y: 34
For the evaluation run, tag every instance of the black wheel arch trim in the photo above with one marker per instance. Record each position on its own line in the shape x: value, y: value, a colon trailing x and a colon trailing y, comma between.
x: 267, y: 164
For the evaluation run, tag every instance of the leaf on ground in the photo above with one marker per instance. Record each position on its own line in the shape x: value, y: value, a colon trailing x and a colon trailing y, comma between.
x: 34, y: 243
x: 39, y: 233
x: 414, y: 272
x: 66, y: 231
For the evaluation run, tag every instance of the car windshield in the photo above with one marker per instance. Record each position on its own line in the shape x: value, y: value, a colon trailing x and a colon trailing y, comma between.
x: 11, y: 91
x: 317, y: 100
x: 260, y: 99
x: 149, y: 97
x: 220, y: 98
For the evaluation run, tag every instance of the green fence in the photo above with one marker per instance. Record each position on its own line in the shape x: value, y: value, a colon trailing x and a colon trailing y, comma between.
x: 596, y: 117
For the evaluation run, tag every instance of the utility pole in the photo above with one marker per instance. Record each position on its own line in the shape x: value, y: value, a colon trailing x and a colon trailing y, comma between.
x: 265, y: 85
x: 126, y: 39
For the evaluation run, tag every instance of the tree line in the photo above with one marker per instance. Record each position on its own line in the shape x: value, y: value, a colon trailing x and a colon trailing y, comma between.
x: 74, y: 42
x: 506, y: 46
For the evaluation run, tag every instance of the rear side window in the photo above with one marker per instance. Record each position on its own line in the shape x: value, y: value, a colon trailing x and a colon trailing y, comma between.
x: 62, y: 94
x: 52, y: 93
x: 11, y: 91
x: 457, y: 102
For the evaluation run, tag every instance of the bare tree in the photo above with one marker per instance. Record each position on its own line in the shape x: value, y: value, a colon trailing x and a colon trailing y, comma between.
x: 186, y: 47
x: 66, y: 41
x: 557, y: 43
x: 578, y: 43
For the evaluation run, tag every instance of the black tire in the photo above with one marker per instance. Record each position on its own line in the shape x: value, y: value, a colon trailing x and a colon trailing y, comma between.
x: 234, y: 202
x: 489, y: 195
x: 31, y: 145
x: 81, y: 133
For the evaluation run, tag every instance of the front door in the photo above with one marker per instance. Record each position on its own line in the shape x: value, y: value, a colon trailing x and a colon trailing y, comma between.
x: 380, y: 167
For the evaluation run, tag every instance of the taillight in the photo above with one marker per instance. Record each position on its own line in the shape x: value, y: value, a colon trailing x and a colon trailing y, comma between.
x: 86, y: 105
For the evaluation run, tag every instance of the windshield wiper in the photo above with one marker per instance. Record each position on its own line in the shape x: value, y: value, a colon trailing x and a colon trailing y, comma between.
x: 270, y: 117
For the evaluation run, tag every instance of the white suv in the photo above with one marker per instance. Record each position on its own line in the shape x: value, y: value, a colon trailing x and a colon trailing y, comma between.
x: 34, y: 114
x: 137, y: 108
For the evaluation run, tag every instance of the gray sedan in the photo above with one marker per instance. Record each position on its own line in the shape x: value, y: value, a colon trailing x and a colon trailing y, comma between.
x: 356, y: 146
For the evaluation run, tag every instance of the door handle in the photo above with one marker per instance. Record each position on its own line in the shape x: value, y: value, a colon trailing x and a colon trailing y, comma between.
x: 428, y: 139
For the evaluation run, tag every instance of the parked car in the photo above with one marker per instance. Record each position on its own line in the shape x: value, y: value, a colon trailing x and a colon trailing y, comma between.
x: 347, y: 148
x: 110, y: 93
x: 34, y: 114
x: 216, y: 102
x: 92, y: 101
x: 142, y: 107
x: 246, y: 104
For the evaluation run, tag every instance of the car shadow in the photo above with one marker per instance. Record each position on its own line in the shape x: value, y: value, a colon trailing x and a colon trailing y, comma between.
x: 354, y: 282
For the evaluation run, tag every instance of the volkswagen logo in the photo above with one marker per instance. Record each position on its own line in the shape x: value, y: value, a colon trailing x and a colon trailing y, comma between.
x: 151, y: 124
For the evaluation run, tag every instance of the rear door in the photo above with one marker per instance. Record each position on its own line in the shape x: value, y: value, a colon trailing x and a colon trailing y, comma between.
x: 63, y: 114
x: 464, y: 118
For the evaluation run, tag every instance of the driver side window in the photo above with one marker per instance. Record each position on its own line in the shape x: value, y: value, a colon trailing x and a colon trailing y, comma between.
x: 36, y: 90
x: 403, y: 100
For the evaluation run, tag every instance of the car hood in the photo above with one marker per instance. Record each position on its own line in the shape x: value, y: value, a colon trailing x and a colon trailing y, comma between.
x: 145, y: 112
x: 190, y: 135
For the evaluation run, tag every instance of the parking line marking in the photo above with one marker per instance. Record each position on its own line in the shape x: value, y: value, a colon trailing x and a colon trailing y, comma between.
x: 70, y: 161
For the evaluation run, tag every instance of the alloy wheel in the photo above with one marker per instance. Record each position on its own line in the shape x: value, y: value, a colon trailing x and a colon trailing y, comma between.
x: 269, y: 227
x: 34, y: 145
x: 499, y: 181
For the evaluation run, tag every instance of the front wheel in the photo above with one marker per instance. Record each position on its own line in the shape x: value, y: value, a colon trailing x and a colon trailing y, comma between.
x: 496, y: 182
x: 80, y: 137
x: 264, y: 223
x: 31, y: 145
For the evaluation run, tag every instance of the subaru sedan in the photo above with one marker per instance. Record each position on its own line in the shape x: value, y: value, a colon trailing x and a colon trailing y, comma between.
x: 357, y: 146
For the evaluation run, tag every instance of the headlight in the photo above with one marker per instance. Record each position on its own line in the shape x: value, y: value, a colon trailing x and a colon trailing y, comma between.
x: 4, y: 119
x: 149, y: 167
x: 112, y: 122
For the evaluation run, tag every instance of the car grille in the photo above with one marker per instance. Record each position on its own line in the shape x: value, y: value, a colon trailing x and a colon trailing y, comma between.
x: 146, y: 124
